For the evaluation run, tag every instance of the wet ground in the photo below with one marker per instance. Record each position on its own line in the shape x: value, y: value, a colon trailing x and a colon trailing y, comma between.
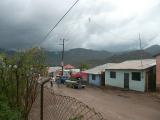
x: 117, y: 104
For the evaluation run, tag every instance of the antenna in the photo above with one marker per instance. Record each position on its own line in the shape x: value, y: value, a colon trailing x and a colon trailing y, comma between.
x: 140, y: 44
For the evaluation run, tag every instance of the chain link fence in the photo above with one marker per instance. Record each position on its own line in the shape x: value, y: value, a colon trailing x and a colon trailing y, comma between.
x: 60, y: 107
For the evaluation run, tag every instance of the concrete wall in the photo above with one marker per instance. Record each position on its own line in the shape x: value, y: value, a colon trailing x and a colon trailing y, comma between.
x: 158, y: 72
x: 119, y: 80
x: 96, y: 82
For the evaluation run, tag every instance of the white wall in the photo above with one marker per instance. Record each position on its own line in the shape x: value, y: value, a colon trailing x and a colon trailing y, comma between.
x: 119, y: 80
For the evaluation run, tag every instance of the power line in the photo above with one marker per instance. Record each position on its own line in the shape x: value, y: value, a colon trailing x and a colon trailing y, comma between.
x: 59, y: 21
x: 69, y: 29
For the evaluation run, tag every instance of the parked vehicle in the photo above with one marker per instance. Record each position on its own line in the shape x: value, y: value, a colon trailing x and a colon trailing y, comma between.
x: 75, y: 83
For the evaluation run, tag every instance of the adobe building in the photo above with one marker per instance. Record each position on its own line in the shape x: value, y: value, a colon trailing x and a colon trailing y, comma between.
x: 158, y: 72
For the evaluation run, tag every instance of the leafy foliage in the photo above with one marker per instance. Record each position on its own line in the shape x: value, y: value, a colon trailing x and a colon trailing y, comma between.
x: 84, y: 66
x: 6, y: 112
x: 18, y: 80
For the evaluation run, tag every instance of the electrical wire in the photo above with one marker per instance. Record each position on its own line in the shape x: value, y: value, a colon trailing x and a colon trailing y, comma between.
x: 59, y: 21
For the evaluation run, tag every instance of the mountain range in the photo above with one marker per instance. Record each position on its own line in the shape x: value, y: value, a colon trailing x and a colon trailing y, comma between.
x: 94, y: 57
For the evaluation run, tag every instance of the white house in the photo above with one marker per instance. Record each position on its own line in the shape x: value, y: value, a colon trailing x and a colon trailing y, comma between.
x: 136, y: 75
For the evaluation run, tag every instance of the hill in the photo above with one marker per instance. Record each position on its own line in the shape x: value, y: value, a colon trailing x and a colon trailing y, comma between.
x: 153, y: 50
x: 77, y: 56
x: 116, y: 58
x: 94, y: 57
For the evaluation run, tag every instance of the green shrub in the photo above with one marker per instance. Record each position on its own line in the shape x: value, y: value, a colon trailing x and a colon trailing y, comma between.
x: 6, y: 112
x: 18, y: 82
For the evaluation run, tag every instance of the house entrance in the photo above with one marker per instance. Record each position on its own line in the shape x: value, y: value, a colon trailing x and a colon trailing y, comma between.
x: 151, y: 79
x: 126, y: 80
x: 103, y: 79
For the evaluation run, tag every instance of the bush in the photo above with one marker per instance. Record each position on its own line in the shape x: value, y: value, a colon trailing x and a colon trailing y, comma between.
x: 18, y: 82
x: 6, y: 112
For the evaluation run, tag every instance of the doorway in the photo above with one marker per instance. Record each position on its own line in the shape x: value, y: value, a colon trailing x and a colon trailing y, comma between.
x: 103, y: 78
x: 126, y: 80
x: 151, y: 79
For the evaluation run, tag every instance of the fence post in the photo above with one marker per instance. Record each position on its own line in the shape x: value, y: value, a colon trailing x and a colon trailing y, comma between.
x: 41, y: 102
x: 41, y: 99
x: 17, y: 88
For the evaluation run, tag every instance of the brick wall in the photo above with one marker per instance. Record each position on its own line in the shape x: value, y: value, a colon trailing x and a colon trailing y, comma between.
x: 158, y: 73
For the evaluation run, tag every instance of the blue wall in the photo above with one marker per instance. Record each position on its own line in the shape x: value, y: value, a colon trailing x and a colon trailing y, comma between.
x: 96, y: 82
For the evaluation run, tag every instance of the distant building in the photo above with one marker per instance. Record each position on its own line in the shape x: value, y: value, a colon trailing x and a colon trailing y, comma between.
x: 54, y: 71
x: 138, y: 75
x: 68, y: 66
x: 69, y: 69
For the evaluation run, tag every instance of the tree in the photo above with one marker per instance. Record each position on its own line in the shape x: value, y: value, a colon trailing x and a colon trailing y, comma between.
x: 84, y: 66
x: 18, y: 79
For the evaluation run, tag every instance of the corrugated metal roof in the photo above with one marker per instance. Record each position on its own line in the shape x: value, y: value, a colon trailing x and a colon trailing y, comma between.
x: 127, y: 65
x: 98, y: 69
x: 134, y: 64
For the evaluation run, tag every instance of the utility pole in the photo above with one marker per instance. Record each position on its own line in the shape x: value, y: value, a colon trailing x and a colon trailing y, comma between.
x: 62, y: 60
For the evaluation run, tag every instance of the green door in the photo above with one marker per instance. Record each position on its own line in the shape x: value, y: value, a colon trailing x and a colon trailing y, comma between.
x: 126, y: 80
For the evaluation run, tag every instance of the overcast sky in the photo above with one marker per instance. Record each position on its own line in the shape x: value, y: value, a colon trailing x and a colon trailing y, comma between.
x: 94, y: 24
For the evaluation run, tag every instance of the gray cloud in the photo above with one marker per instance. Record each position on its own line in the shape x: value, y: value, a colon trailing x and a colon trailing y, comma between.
x: 91, y: 24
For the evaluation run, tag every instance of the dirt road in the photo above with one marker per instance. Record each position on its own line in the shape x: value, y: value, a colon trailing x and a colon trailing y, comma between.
x: 116, y: 104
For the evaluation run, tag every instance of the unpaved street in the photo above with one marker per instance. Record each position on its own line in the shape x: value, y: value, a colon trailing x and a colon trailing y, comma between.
x: 116, y: 104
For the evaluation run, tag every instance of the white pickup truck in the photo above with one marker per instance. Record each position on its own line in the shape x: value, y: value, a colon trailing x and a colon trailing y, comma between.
x: 74, y: 84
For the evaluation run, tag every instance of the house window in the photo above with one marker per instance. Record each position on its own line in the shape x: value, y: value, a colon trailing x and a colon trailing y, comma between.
x: 136, y: 76
x: 112, y: 74
x: 93, y: 77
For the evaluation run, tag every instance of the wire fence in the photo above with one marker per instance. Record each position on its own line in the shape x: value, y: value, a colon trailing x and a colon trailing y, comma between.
x: 60, y: 107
